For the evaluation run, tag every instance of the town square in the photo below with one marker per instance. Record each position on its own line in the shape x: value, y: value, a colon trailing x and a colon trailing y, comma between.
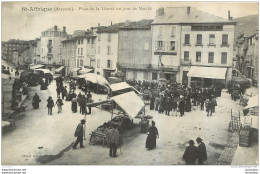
x: 178, y: 87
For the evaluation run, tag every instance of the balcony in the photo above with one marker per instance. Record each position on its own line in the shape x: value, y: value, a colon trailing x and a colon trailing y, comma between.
x: 161, y: 52
x: 224, y: 45
x: 185, y: 62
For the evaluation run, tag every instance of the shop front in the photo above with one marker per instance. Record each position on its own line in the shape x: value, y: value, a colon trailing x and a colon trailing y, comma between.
x: 206, y: 76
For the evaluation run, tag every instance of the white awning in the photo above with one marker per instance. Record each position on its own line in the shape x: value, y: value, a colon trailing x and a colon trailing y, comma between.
x: 85, y: 70
x: 36, y: 67
x: 252, y: 102
x: 59, y: 69
x: 45, y: 71
x: 122, y: 86
x: 75, y: 69
x: 130, y: 103
x: 207, y: 72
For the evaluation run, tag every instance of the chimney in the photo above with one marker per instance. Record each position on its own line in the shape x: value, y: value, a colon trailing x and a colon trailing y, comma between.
x: 111, y: 23
x: 64, y: 29
x: 98, y: 24
x: 160, y: 12
x: 188, y: 10
x: 55, y: 28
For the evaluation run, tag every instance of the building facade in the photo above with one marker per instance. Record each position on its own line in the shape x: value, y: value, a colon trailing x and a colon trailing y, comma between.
x: 135, y: 50
x: 107, y: 50
x: 86, y: 50
x: 188, y: 44
x: 12, y: 46
x: 247, y: 56
x: 68, y: 54
x: 51, y: 45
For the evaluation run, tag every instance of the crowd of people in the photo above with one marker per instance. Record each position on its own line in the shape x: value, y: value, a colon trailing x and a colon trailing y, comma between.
x: 62, y: 94
x: 172, y: 97
x: 167, y: 98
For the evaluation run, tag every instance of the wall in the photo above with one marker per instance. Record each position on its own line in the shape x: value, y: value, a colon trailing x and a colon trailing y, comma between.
x: 131, y: 49
x: 164, y: 33
x: 205, y: 49
x: 103, y: 56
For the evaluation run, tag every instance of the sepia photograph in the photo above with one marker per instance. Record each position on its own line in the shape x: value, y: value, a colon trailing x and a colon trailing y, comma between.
x: 129, y: 83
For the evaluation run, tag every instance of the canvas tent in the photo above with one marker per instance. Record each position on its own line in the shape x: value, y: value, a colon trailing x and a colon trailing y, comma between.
x: 36, y: 67
x: 130, y: 103
x: 45, y: 71
x: 123, y: 86
x: 95, y: 78
x: 85, y: 70
x: 252, y: 102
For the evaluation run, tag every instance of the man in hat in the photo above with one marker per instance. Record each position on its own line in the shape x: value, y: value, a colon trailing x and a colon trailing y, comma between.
x: 202, y: 152
x: 190, y: 155
x: 113, y: 140
x: 50, y: 104
x: 79, y: 134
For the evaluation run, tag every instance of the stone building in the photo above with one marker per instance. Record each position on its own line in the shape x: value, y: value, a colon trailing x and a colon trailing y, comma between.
x: 135, y: 50
x: 11, y: 46
x: 247, y: 55
x: 107, y: 49
x: 51, y: 46
x: 191, y: 46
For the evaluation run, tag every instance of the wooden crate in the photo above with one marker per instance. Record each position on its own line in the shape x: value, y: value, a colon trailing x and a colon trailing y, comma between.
x: 244, y: 138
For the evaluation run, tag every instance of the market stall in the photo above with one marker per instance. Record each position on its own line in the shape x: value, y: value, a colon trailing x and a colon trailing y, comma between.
x: 249, y: 122
x: 130, y: 105
x: 97, y: 82
x: 120, y: 88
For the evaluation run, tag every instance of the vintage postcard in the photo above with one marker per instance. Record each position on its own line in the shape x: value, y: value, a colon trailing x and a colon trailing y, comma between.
x: 129, y: 83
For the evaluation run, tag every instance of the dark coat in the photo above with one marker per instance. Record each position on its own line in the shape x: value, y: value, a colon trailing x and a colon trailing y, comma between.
x: 151, y: 138
x: 190, y: 155
x: 182, y: 105
x: 79, y: 130
x: 202, y: 153
x: 50, y: 103
x: 174, y: 104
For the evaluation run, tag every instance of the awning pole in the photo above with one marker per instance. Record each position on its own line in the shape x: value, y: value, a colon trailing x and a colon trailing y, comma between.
x: 85, y: 127
x: 111, y: 108
x: 144, y: 109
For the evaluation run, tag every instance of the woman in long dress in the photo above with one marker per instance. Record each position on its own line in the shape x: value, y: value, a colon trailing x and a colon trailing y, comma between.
x: 151, y: 138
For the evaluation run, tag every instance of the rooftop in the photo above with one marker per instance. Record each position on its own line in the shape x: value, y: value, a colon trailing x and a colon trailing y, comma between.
x: 53, y: 29
x: 14, y: 41
x: 142, y: 24
x: 110, y: 29
x: 188, y: 15
x: 80, y: 35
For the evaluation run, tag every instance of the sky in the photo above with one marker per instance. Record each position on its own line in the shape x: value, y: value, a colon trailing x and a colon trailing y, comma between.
x: 19, y: 23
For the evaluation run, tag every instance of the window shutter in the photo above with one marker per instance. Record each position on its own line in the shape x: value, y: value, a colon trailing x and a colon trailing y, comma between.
x: 111, y: 64
x: 156, y: 45
x: 176, y: 46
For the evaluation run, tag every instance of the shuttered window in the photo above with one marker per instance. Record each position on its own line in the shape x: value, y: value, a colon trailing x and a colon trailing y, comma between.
x: 211, y: 57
